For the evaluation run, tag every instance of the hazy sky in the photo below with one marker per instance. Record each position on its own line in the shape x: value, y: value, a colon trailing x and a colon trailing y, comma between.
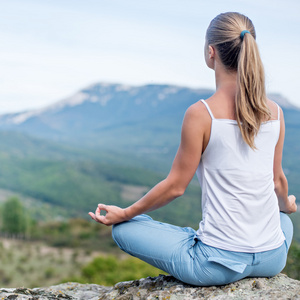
x: 50, y: 49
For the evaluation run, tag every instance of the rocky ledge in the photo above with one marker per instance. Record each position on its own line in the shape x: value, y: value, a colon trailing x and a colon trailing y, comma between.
x: 164, y: 287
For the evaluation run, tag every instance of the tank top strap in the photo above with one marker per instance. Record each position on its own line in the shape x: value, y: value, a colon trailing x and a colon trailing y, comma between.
x: 208, y: 109
x: 278, y: 108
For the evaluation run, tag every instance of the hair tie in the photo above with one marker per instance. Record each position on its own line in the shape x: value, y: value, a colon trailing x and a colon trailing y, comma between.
x: 243, y: 33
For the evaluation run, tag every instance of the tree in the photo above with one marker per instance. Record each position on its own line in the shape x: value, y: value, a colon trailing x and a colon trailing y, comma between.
x: 14, y: 220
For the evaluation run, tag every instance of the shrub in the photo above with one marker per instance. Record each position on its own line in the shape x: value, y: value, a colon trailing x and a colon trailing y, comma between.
x: 292, y: 268
x: 110, y: 270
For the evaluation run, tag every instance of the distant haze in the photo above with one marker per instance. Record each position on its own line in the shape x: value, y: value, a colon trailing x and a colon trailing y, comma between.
x: 50, y: 49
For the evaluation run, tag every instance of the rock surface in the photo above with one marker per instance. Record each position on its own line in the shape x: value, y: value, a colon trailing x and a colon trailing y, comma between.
x: 164, y: 287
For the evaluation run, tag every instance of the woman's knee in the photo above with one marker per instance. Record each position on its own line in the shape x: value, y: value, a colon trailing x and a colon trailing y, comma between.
x: 123, y: 233
x: 287, y: 228
x: 117, y: 234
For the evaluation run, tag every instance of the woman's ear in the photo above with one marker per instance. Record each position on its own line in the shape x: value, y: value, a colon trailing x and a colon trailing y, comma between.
x: 211, y: 52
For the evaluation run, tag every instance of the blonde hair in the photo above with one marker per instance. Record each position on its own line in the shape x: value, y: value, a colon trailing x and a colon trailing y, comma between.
x: 240, y: 54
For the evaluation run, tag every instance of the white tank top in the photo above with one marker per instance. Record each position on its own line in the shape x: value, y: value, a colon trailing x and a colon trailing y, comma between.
x: 240, y: 209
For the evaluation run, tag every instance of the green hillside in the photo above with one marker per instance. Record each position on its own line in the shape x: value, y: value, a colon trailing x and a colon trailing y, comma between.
x: 74, y: 182
x: 71, y: 180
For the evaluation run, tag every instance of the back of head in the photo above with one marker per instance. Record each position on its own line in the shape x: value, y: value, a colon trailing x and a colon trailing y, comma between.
x: 233, y: 36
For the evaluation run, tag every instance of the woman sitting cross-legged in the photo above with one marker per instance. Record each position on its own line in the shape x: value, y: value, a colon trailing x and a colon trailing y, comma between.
x: 233, y: 141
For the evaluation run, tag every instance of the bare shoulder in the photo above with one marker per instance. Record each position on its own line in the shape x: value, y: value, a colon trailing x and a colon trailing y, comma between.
x: 197, y: 111
x: 274, y: 109
x: 197, y: 121
x: 271, y: 104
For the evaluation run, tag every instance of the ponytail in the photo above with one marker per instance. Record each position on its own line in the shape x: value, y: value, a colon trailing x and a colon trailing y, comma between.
x: 250, y: 102
x: 233, y: 35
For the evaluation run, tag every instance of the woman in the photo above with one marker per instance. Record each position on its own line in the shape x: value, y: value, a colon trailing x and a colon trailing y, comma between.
x: 234, y: 142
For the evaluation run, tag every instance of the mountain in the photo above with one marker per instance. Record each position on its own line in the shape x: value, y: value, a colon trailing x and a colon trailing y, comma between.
x: 114, y: 115
x: 282, y: 101
x: 101, y: 108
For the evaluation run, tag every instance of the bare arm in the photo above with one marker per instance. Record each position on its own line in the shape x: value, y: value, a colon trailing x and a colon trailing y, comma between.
x: 286, y: 203
x: 183, y: 169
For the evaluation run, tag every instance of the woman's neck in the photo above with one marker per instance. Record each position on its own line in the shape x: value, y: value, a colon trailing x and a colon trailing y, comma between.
x: 226, y: 81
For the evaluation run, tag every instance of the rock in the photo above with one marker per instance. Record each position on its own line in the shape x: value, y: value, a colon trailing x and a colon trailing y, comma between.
x: 70, y: 291
x: 164, y: 287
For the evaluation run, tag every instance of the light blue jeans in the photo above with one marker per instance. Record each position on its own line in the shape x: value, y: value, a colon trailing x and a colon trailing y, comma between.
x: 177, y: 251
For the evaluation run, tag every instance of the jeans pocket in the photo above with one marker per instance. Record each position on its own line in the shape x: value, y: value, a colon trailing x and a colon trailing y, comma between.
x: 229, y: 263
x: 192, y: 245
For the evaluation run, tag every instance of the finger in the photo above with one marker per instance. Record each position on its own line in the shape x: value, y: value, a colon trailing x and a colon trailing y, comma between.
x: 92, y: 216
x: 101, y: 219
x: 97, y: 218
x: 102, y: 207
x: 292, y: 197
x: 97, y: 211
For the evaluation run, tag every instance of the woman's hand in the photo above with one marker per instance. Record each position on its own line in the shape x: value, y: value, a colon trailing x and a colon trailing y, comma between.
x: 292, y: 204
x: 114, y: 215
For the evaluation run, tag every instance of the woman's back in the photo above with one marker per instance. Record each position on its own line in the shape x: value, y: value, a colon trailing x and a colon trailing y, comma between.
x: 222, y: 105
x: 239, y: 205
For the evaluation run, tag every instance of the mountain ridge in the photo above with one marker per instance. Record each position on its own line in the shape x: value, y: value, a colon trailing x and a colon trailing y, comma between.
x: 103, y: 110
x: 98, y: 93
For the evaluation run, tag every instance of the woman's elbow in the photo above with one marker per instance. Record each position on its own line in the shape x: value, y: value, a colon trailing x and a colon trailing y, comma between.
x: 280, y: 182
x: 177, y: 190
x: 175, y: 187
